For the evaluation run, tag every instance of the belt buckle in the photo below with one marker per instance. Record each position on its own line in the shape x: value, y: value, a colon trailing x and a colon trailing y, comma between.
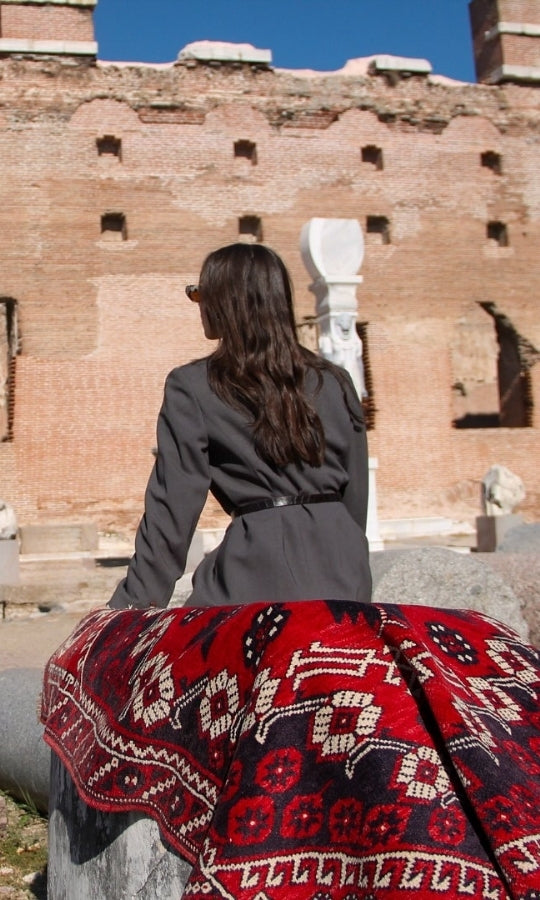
x: 282, y: 501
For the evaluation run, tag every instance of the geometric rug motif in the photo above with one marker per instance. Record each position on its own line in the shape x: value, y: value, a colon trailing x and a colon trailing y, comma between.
x: 315, y: 750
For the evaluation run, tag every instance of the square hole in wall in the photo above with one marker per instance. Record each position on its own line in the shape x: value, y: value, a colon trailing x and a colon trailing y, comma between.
x: 373, y: 156
x: 246, y: 150
x: 113, y: 227
x: 250, y: 229
x: 492, y: 160
x: 109, y: 146
x: 378, y: 230
x: 497, y: 233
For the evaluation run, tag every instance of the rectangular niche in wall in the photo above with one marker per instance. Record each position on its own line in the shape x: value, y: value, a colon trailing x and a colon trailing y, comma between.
x: 378, y: 230
x: 109, y: 146
x: 373, y: 156
x: 497, y: 234
x: 113, y: 227
x: 250, y: 229
x: 246, y: 150
x: 492, y: 160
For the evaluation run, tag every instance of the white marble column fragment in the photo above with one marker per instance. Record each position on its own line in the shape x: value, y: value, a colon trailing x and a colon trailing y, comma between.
x: 333, y: 251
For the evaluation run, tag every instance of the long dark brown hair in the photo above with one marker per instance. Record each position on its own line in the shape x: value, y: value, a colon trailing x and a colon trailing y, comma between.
x: 259, y: 365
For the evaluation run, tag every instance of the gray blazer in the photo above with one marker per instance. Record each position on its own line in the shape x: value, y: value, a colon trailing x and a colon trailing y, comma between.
x: 290, y: 553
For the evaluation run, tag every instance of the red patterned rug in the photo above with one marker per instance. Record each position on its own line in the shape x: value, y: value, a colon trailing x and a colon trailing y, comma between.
x: 315, y: 750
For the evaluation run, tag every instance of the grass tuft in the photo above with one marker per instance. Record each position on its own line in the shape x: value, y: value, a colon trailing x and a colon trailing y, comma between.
x: 23, y: 848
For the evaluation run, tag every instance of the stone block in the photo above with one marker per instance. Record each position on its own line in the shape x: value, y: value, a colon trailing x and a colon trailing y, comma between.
x: 490, y: 530
x: 24, y: 757
x: 90, y: 850
x: 59, y: 538
x: 433, y: 576
x: 222, y: 51
x: 412, y: 66
x: 524, y: 538
x: 9, y: 562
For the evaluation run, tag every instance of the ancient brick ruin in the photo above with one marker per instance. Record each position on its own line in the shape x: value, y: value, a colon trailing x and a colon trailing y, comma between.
x: 118, y: 178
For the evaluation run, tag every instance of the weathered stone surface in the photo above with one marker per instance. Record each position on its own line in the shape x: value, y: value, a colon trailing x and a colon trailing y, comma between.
x: 59, y: 538
x: 221, y: 51
x: 8, y: 521
x: 74, y: 584
x: 9, y: 564
x: 491, y: 530
x: 502, y: 490
x: 89, y: 851
x: 386, y: 63
x: 522, y: 539
x: 437, y: 577
x: 522, y: 572
x: 24, y: 757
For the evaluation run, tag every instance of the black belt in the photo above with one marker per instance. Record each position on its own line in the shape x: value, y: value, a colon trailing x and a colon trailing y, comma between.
x: 276, y: 502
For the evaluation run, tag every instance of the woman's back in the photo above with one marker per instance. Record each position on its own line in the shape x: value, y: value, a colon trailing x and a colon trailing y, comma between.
x: 277, y: 434
x: 292, y: 552
x: 239, y: 474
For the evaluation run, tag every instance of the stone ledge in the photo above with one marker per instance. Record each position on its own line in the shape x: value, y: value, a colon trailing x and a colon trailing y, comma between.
x: 513, y: 73
x: 387, y: 63
x: 51, y: 48
x: 222, y: 51
x: 422, y: 526
x: 524, y: 29
x: 58, y: 538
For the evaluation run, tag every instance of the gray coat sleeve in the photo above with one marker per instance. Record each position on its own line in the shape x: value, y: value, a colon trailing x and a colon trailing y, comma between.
x: 175, y: 495
x: 355, y: 495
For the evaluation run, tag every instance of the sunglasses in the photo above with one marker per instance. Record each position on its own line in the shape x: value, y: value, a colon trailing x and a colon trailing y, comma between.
x: 192, y: 291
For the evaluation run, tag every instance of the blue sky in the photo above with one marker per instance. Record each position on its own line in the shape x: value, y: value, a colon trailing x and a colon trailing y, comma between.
x: 315, y: 34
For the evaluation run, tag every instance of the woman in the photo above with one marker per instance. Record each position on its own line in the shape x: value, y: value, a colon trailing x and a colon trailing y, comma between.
x: 276, y: 434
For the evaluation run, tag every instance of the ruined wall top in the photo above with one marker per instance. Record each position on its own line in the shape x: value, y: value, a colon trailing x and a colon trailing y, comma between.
x: 506, y: 40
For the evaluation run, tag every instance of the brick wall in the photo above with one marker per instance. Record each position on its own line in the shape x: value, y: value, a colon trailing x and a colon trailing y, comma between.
x: 46, y: 23
x: 492, y: 51
x: 517, y: 47
x: 102, y: 319
x: 518, y: 11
